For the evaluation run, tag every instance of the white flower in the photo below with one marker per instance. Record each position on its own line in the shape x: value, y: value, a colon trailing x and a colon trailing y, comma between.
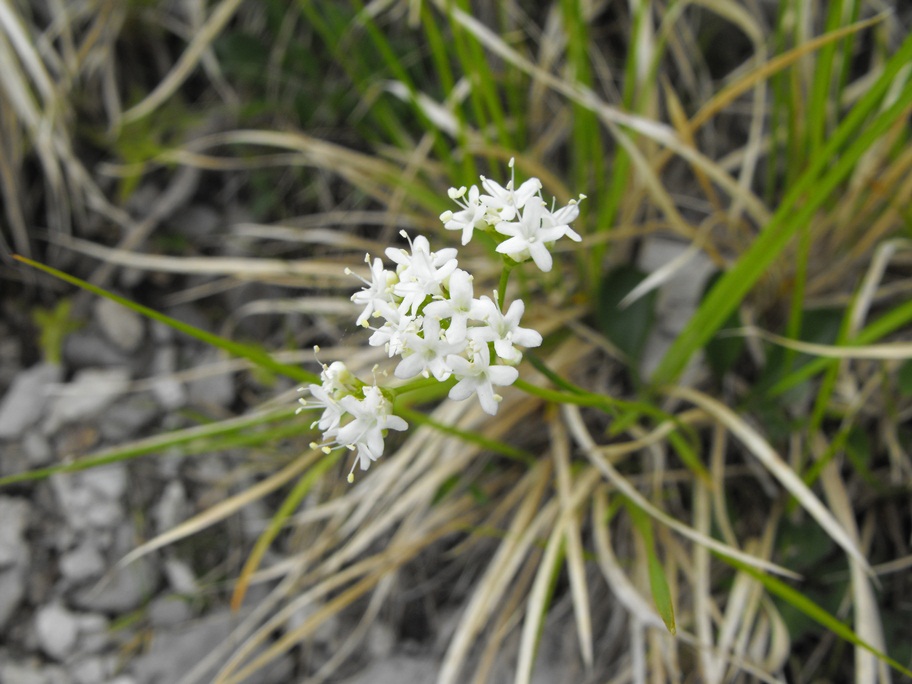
x: 505, y: 201
x: 371, y: 416
x: 563, y: 217
x: 503, y: 329
x: 393, y: 332
x: 337, y: 382
x: 472, y: 215
x: 459, y: 307
x: 427, y: 353
x: 420, y: 273
x: 378, y: 289
x: 529, y: 237
x: 478, y: 377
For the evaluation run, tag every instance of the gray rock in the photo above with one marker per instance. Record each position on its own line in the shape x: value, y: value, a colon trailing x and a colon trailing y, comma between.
x: 57, y: 630
x: 398, y: 670
x: 83, y: 563
x: 121, y: 326
x: 90, y: 392
x: 126, y: 589
x: 168, y: 391
x: 678, y: 297
x: 212, y: 390
x: 89, y: 349
x: 75, y: 499
x: 176, y: 652
x: 90, y: 499
x: 125, y: 419
x: 17, y: 673
x: 38, y: 449
x: 168, y: 611
x: 12, y: 591
x: 93, y: 633
x: 171, y: 508
x: 381, y: 640
x: 180, y: 577
x: 26, y: 400
x: 109, y: 481
x: 13, y: 521
x: 91, y: 670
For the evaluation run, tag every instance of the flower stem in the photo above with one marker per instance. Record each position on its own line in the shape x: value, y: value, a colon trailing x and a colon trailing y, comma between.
x: 502, y: 286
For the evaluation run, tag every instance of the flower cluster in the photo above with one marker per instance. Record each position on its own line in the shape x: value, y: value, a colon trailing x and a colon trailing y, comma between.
x: 342, y: 395
x: 432, y: 321
x: 521, y: 221
x: 424, y: 313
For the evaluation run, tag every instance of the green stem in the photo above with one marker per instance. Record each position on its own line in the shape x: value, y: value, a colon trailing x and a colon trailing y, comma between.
x: 600, y: 401
x: 419, y: 418
x: 502, y: 286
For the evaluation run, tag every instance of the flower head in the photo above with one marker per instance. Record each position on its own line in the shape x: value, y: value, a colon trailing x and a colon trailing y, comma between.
x: 370, y: 417
x: 529, y: 237
x: 478, y: 376
x: 472, y: 215
x: 377, y: 290
x: 503, y: 329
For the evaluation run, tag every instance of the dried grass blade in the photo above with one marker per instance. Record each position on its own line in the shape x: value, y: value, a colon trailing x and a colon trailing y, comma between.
x: 868, y: 624
x: 576, y: 566
x: 528, y: 520
x: 186, y: 63
x: 774, y: 463
x: 581, y: 434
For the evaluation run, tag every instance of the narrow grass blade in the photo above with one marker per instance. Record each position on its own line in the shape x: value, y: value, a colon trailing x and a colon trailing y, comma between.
x: 658, y: 582
x: 257, y: 356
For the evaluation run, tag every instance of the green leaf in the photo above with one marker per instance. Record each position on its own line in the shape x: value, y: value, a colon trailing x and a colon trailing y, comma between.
x: 658, y: 582
x: 627, y: 327
x: 54, y: 325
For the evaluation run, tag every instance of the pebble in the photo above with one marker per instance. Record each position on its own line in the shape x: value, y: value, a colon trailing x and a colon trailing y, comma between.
x: 90, y: 392
x: 171, y: 508
x: 57, y: 630
x: 180, y: 577
x: 37, y: 448
x: 121, y: 326
x: 126, y: 589
x: 173, y: 654
x: 83, y: 563
x: 17, y: 673
x: 398, y: 670
x: 93, y: 633
x: 109, y: 481
x: 92, y: 670
x: 168, y: 391
x: 126, y: 419
x: 14, y: 514
x: 89, y: 349
x: 27, y: 398
x: 12, y: 591
x: 212, y: 390
x: 168, y: 611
